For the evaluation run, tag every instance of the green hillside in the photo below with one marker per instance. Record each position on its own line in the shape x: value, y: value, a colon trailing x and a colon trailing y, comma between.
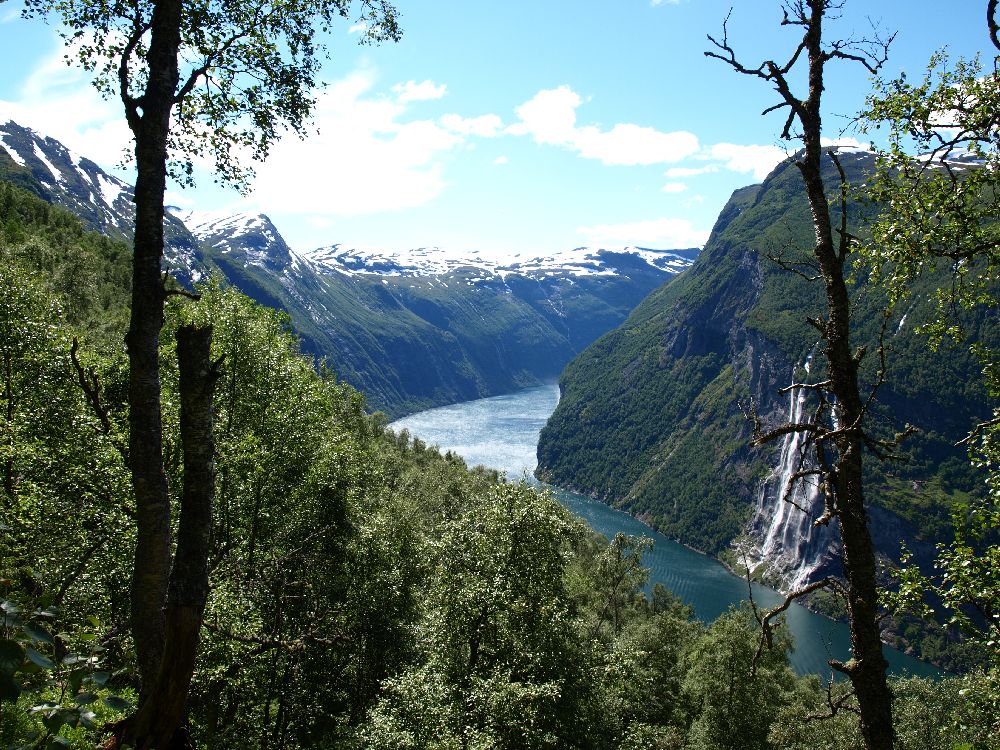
x: 650, y: 416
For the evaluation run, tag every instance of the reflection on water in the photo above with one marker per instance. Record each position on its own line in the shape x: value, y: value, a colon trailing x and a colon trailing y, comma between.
x: 502, y: 433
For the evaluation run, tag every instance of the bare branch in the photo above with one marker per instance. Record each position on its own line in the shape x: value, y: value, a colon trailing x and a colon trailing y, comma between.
x: 840, y: 703
x: 978, y: 430
x: 795, y: 267
x: 991, y: 22
x: 767, y: 629
x: 789, y: 428
x: 820, y: 386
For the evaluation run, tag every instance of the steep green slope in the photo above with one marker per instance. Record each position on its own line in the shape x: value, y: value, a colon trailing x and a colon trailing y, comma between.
x: 410, y: 342
x: 650, y: 416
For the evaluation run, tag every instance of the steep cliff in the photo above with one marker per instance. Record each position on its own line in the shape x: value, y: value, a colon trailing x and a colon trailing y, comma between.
x: 652, y: 414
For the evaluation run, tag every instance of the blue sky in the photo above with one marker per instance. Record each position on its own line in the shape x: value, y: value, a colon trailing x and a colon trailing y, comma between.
x: 516, y: 126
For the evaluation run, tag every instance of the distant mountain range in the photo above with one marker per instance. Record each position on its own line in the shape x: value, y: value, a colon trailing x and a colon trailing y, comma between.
x: 409, y: 329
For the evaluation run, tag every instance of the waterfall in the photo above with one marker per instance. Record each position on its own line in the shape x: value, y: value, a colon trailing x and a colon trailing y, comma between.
x: 784, y: 544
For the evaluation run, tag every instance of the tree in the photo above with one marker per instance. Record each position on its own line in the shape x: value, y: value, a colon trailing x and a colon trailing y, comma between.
x: 938, y: 182
x: 733, y: 705
x: 248, y: 72
x: 837, y: 431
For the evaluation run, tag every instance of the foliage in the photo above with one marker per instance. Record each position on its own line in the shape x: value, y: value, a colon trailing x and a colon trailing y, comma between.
x: 248, y: 69
x: 941, y: 216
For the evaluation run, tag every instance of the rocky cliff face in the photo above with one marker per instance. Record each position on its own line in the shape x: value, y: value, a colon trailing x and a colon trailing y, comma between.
x: 652, y: 416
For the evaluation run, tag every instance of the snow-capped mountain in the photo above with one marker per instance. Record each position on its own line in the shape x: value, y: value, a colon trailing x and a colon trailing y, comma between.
x: 433, y: 261
x: 410, y: 329
x: 104, y: 202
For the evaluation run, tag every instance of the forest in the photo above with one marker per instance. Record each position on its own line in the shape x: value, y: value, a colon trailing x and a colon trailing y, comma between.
x: 208, y: 541
x: 366, y: 591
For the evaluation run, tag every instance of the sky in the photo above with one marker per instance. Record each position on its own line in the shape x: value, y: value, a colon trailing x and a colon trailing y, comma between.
x: 522, y: 126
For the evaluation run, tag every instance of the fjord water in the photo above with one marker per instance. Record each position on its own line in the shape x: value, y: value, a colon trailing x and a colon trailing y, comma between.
x: 502, y: 433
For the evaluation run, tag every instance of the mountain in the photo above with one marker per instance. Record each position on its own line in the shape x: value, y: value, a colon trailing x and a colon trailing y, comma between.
x: 421, y: 328
x: 45, y: 167
x: 409, y: 329
x: 652, y: 420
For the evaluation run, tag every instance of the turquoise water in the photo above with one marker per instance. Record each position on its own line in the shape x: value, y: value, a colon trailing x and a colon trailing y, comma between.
x: 502, y: 433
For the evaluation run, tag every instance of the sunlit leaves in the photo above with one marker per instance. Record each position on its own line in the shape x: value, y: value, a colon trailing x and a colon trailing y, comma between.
x: 248, y: 70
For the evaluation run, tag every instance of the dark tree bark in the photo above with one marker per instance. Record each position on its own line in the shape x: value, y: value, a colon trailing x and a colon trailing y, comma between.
x: 150, y: 123
x: 841, y: 443
x: 161, y: 715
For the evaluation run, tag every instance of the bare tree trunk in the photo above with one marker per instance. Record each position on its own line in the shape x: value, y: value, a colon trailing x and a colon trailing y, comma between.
x: 846, y: 436
x: 162, y: 714
x: 152, y: 553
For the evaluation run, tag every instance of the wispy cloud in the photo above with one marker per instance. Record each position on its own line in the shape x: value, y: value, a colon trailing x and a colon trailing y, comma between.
x: 486, y: 126
x: 549, y: 118
x: 664, y: 233
x: 59, y: 101
x: 411, y: 91
x: 755, y: 159
x: 366, y: 158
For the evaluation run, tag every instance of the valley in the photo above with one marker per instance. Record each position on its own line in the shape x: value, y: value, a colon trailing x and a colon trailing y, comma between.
x: 409, y: 329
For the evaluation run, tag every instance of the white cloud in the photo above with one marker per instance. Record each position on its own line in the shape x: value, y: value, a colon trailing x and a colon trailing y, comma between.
x: 550, y: 119
x: 411, y: 91
x: 682, y: 172
x: 674, y: 187
x: 848, y: 143
x: 501, y: 160
x: 59, y: 101
x: 759, y: 160
x: 662, y: 233
x: 367, y: 158
x: 172, y: 198
x: 358, y: 28
x: 631, y: 145
x: 486, y: 126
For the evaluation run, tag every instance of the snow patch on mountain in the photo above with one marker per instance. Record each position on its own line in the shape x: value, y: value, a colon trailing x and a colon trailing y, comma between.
x: 11, y: 150
x: 434, y: 261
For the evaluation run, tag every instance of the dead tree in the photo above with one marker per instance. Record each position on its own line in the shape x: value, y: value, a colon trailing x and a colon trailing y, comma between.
x: 837, y: 431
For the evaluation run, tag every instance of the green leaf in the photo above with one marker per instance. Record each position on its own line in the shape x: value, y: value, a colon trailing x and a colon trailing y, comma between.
x: 9, y: 690
x: 100, y: 678
x: 83, y: 699
x: 37, y: 633
x: 76, y: 679
x: 88, y: 719
x: 117, y: 703
x: 11, y: 657
x: 59, y: 742
x: 40, y: 659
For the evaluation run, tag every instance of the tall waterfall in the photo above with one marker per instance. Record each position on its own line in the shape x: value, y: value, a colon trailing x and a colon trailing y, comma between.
x: 784, y: 544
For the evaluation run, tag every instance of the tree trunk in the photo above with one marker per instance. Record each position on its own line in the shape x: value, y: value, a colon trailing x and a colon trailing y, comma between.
x: 867, y: 667
x: 162, y: 713
x: 152, y: 554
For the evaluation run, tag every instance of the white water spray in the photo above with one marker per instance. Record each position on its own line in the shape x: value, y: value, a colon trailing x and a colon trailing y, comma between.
x: 783, y: 538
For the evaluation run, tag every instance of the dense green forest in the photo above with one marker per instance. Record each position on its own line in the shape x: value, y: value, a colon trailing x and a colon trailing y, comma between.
x: 366, y: 591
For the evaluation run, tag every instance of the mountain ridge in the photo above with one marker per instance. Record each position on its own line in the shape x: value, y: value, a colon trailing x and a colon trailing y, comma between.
x: 652, y: 414
x: 410, y: 329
